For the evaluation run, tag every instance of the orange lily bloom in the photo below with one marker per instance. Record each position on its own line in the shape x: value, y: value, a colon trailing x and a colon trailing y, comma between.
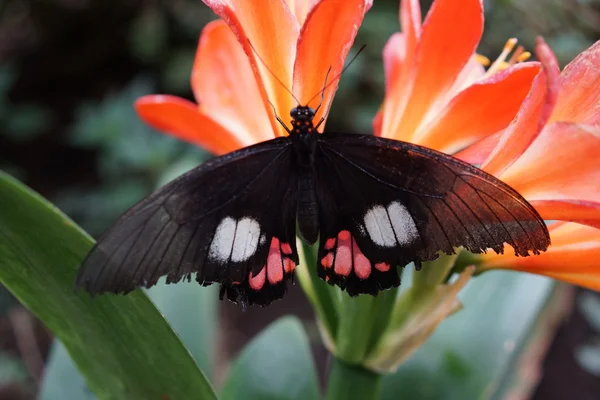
x: 558, y: 173
x: 537, y: 131
x: 246, y: 64
x: 437, y: 92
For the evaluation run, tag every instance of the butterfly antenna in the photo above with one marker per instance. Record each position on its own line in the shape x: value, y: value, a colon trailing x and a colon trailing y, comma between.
x: 272, y: 73
x: 335, y: 79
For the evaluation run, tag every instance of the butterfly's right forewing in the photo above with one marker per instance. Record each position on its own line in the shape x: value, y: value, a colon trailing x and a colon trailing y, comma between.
x: 385, y: 203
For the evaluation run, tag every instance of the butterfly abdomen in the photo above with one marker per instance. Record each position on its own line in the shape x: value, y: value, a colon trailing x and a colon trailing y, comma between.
x: 307, y: 214
x: 304, y: 159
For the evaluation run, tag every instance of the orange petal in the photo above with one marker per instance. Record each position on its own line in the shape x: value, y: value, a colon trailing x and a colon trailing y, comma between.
x: 225, y: 87
x: 579, y: 96
x: 182, y: 119
x: 301, y: 8
x: 471, y: 73
x: 394, y: 66
x: 272, y: 31
x: 410, y: 21
x: 478, y: 152
x: 572, y: 257
x: 324, y: 42
x: 480, y: 110
x: 562, y: 163
x: 394, y: 60
x: 583, y: 212
x: 376, y: 123
x: 532, y: 116
x: 449, y: 37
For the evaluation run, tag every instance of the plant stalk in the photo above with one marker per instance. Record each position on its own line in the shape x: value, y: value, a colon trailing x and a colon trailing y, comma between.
x: 352, y: 382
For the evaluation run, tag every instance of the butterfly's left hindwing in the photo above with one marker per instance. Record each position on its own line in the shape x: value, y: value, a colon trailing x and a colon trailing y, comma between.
x: 384, y: 203
x: 230, y: 220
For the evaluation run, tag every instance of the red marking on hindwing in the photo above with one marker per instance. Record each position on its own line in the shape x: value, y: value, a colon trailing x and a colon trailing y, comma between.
x: 382, y: 266
x: 344, y: 235
x: 274, y: 243
x: 327, y: 261
x: 258, y: 281
x: 286, y: 248
x: 288, y: 265
x: 362, y: 265
x: 274, y: 263
x: 329, y: 243
x: 343, y: 254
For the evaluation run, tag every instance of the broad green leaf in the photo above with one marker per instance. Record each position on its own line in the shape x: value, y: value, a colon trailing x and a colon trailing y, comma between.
x: 121, y: 344
x: 277, y: 365
x: 470, y: 352
x: 192, y: 313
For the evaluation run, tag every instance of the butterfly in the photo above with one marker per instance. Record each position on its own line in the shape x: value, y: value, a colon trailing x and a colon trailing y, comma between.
x: 372, y: 203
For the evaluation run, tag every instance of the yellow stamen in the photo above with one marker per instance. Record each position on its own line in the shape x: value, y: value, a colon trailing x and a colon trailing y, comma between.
x: 497, y: 65
x: 483, y: 60
x: 501, y: 62
x: 524, y: 56
x: 516, y: 54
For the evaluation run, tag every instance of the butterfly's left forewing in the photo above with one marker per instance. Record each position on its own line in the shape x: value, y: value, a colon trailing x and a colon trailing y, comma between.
x: 384, y: 203
x: 230, y: 220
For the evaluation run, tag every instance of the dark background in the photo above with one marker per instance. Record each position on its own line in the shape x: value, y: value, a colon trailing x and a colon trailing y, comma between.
x: 69, y: 72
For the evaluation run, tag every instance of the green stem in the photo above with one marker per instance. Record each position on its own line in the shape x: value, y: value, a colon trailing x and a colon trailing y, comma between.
x: 353, y: 336
x: 349, y: 382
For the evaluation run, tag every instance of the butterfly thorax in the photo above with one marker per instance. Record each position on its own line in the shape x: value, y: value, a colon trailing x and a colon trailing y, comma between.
x: 304, y: 139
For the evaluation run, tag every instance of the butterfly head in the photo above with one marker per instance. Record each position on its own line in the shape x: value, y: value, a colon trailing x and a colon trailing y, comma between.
x: 302, y: 120
x: 302, y: 114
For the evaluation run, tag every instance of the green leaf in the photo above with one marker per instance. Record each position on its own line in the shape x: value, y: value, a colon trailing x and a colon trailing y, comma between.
x: 471, y: 351
x: 277, y: 364
x: 121, y: 344
x: 190, y: 309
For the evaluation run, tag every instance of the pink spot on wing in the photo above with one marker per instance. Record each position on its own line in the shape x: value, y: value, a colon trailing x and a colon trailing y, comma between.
x: 288, y: 265
x: 344, y: 235
x: 327, y: 261
x: 343, y: 254
x: 382, y: 266
x: 258, y: 281
x: 275, y: 243
x: 286, y: 248
x: 362, y: 265
x: 274, y: 263
x: 329, y: 243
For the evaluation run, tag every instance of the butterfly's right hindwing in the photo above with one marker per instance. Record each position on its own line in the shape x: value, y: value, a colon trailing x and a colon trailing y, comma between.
x: 230, y: 220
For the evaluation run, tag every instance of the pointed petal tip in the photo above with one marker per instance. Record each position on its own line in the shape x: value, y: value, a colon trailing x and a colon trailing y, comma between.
x: 182, y: 119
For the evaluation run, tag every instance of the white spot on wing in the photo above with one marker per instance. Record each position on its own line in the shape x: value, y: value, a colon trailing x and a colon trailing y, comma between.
x: 379, y: 227
x: 220, y: 249
x: 403, y: 223
x: 247, y: 234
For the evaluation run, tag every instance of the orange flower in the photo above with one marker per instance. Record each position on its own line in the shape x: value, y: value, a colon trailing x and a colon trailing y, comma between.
x: 551, y: 155
x: 538, y: 132
x: 437, y: 93
x: 297, y: 40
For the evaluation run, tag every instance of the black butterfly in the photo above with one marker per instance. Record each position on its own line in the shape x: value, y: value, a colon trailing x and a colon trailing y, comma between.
x: 373, y: 204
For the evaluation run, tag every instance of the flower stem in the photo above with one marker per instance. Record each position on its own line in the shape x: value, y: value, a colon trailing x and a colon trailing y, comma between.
x: 349, y: 382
